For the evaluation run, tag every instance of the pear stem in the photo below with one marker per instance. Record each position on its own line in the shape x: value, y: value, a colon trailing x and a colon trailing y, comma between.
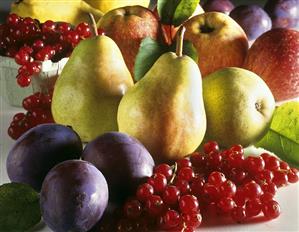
x: 180, y: 40
x: 93, y: 24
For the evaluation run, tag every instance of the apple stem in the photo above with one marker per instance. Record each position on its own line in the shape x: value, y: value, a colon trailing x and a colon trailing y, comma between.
x: 93, y: 24
x: 180, y: 40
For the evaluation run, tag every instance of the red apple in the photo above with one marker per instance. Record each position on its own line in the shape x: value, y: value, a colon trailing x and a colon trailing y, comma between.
x: 274, y: 56
x: 220, y: 42
x: 128, y: 26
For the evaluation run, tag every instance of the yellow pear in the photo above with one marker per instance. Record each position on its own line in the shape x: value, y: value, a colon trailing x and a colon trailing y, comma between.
x: 71, y: 11
x: 107, y: 5
x: 165, y: 109
x: 90, y: 87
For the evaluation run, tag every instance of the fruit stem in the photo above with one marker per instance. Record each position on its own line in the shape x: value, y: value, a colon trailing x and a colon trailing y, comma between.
x: 93, y: 24
x: 175, y: 168
x: 180, y: 40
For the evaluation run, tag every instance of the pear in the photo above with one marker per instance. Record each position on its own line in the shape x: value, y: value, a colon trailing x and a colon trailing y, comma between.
x: 90, y: 87
x: 165, y: 109
x: 239, y: 106
x: 71, y: 11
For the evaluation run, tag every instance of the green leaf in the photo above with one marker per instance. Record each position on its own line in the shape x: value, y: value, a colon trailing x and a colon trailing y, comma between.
x: 149, y: 51
x: 19, y: 207
x: 283, y: 135
x: 166, y: 9
x: 183, y: 11
x: 188, y: 49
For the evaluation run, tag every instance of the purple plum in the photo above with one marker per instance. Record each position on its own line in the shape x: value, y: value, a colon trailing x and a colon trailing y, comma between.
x: 123, y: 160
x: 73, y: 197
x: 253, y: 19
x: 40, y: 149
x: 224, y: 6
x: 284, y: 13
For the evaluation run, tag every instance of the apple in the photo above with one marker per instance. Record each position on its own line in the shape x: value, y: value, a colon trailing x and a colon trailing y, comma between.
x: 253, y: 19
x: 224, y: 6
x: 107, y: 5
x: 239, y: 106
x: 220, y: 41
x: 284, y: 13
x: 274, y: 56
x: 128, y: 26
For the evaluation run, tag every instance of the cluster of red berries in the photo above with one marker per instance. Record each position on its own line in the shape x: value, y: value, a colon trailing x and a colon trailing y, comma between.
x: 30, y: 42
x: 38, y: 108
x: 179, y: 197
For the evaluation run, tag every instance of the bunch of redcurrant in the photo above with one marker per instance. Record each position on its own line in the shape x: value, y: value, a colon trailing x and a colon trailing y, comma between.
x: 38, y: 108
x: 30, y: 42
x: 223, y: 183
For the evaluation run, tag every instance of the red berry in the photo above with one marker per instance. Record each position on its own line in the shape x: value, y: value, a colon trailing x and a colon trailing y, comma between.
x: 252, y: 190
x: 214, y: 159
x: 154, y: 205
x: 164, y: 169
x: 253, y: 207
x: 171, y: 195
x: 272, y: 163
x: 31, y: 102
x: 171, y: 218
x: 264, y: 176
x: 72, y: 37
x: 133, y: 209
x: 23, y: 80
x: 183, y: 186
x: 240, y: 197
x: 186, y: 173
x: 197, y: 184
x: 18, y: 117
x: 63, y: 27
x: 210, y: 192
x: 238, y: 214
x: 13, y: 19
x: 216, y: 178
x: 22, y: 57
x: 38, y: 45
x: 158, y: 181
x: 280, y: 178
x: 184, y: 162
x: 228, y: 189
x: 28, y: 21
x: 269, y: 187
x: 293, y: 175
x: 235, y: 160
x: 271, y: 209
x: 192, y: 220
x: 254, y: 164
x: 83, y: 30
x: 48, y: 27
x: 266, y: 197
x: 144, y: 191
x: 284, y: 165
x: 237, y: 175
x: 188, y: 204
x: 197, y: 160
x: 237, y: 148
x: 265, y: 156
x: 210, y: 146
x: 226, y: 204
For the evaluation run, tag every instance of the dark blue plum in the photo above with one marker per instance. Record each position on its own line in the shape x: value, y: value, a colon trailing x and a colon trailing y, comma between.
x: 253, y: 19
x: 123, y: 160
x: 40, y: 149
x: 284, y: 13
x: 224, y: 6
x: 73, y: 197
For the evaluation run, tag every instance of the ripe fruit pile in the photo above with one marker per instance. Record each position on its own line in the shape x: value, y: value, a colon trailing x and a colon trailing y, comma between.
x: 38, y: 106
x: 31, y: 42
x: 217, y: 182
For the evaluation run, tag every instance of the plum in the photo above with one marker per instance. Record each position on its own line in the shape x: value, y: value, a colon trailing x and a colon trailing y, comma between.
x: 284, y: 13
x: 122, y: 159
x: 38, y: 150
x: 224, y: 6
x: 73, y: 197
x: 253, y: 19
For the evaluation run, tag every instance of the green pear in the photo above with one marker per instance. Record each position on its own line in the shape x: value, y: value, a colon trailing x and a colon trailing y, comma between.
x: 87, y: 93
x: 165, y: 110
x: 239, y: 106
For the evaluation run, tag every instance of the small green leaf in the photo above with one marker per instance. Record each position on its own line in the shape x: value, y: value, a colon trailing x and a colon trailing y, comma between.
x: 188, y: 49
x: 184, y: 10
x: 166, y: 9
x: 19, y: 207
x: 149, y: 51
x: 283, y: 135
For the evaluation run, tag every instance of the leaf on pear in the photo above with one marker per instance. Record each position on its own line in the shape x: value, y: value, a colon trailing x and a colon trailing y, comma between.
x: 149, y: 51
x: 166, y: 9
x: 184, y: 10
x: 19, y: 207
x: 188, y: 49
x: 283, y: 135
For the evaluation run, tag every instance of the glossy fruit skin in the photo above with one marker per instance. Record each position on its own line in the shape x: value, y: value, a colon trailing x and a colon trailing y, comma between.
x: 39, y: 150
x: 273, y: 57
x: 74, y: 196
x: 284, y: 13
x: 253, y: 19
x: 123, y: 160
x: 224, y: 6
